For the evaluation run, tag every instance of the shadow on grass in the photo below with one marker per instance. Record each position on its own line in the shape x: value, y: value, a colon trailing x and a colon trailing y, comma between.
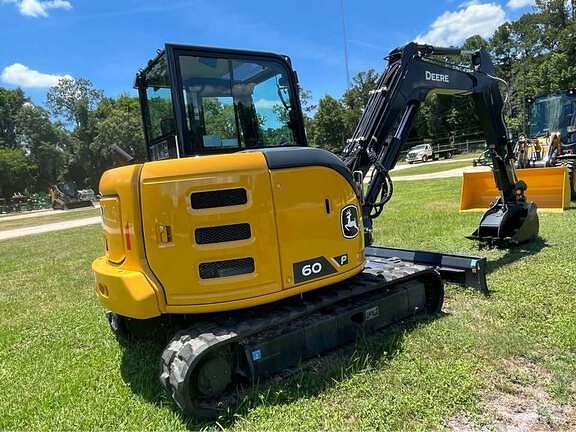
x: 140, y: 370
x: 516, y: 253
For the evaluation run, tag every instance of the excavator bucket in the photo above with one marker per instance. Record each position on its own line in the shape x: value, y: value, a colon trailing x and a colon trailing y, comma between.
x: 508, y: 224
x: 548, y: 188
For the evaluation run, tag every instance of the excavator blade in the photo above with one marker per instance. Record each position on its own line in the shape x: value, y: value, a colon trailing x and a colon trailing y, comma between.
x: 549, y: 188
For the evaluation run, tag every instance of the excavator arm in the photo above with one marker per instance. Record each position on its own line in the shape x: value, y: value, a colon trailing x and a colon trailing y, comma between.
x: 412, y: 74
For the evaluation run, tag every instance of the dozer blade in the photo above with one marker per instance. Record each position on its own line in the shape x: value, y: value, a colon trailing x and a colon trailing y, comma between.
x: 549, y: 188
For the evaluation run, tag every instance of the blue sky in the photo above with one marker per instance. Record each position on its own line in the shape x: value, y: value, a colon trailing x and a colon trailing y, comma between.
x: 106, y: 41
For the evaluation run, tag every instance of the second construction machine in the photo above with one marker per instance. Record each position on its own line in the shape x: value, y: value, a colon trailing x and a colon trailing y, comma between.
x: 545, y: 156
x: 551, y: 134
x: 255, y: 251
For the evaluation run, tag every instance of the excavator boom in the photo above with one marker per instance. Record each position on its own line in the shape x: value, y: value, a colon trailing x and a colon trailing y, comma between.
x: 414, y: 72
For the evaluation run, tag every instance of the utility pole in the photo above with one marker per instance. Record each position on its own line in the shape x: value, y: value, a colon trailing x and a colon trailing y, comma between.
x: 345, y: 44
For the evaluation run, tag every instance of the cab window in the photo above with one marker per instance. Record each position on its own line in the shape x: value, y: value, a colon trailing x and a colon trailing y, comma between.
x: 236, y: 104
x: 219, y: 122
x: 159, y: 97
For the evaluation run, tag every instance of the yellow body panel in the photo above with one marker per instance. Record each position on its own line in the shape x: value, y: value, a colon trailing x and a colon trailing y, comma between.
x: 166, y: 190
x: 153, y: 255
x: 549, y: 188
x: 305, y: 229
x: 126, y: 292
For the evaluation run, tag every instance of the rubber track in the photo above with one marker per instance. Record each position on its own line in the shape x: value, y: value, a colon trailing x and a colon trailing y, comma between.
x: 189, y: 346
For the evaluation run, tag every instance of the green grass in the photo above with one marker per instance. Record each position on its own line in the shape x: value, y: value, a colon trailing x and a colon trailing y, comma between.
x: 45, y: 219
x: 61, y: 369
x: 430, y: 168
x: 473, y: 155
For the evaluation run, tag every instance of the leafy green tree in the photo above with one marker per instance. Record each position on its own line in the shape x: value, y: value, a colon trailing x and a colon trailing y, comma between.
x: 356, y: 97
x: 535, y: 54
x: 16, y: 172
x: 75, y: 101
x: 219, y: 118
x: 308, y: 106
x: 119, y: 125
x: 308, y: 109
x: 119, y: 136
x: 11, y: 101
x: 161, y: 114
x: 329, y: 125
x: 42, y: 140
x: 475, y: 42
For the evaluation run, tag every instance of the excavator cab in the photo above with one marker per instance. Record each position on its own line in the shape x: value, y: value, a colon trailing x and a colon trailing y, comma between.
x: 551, y: 141
x: 197, y: 101
x: 553, y: 114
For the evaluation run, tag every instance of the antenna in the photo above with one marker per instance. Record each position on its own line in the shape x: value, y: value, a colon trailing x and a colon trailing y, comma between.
x: 345, y: 44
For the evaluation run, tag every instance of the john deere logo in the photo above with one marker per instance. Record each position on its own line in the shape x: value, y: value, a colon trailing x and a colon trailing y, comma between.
x: 349, y: 221
x: 437, y: 77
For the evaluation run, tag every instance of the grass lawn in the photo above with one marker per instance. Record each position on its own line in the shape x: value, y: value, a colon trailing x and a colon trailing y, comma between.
x: 61, y: 369
x: 467, y: 155
x: 429, y: 168
x: 46, y: 219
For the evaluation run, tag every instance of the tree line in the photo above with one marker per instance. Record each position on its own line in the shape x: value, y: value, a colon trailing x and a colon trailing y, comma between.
x: 535, y: 54
x: 73, y: 139
x: 76, y: 135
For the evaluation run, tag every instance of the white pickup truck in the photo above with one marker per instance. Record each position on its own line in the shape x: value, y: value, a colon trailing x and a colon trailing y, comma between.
x: 426, y: 152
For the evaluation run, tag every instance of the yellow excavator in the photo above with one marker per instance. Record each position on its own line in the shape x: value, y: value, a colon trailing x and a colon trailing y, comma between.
x: 545, y: 157
x: 253, y: 252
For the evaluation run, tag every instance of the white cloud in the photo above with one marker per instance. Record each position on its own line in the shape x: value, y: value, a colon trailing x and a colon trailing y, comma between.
x: 472, y: 18
x: 38, y: 8
x: 22, y: 76
x: 266, y: 104
x: 518, y: 4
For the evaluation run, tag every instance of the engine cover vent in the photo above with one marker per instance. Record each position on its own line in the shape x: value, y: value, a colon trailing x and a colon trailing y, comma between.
x: 218, y: 198
x: 218, y: 269
x: 223, y: 233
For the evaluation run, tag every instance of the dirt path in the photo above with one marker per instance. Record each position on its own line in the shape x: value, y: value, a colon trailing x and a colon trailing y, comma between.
x: 519, y: 405
x: 417, y: 177
x: 438, y: 162
x: 456, y: 172
x: 42, y: 213
x: 57, y: 226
